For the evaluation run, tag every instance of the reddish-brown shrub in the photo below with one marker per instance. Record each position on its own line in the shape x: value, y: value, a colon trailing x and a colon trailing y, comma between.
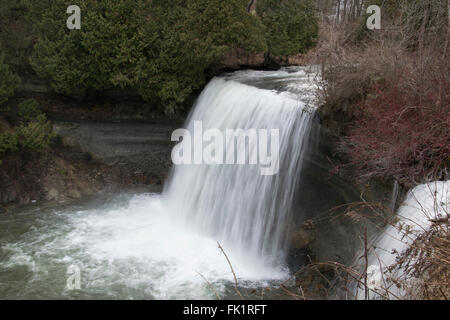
x: 402, y: 129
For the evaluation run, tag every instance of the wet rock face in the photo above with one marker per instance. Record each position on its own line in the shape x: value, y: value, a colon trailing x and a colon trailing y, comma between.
x: 320, y: 226
x: 52, y: 195
x: 9, y: 195
x: 239, y: 58
x: 90, y: 156
x: 74, y: 193
x: 299, y: 253
x: 142, y: 147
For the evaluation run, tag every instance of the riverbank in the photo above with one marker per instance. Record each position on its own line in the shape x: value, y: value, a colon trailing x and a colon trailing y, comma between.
x: 63, y: 174
x: 78, y: 162
x: 69, y: 167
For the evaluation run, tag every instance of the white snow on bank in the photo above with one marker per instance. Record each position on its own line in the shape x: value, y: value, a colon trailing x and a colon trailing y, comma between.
x: 423, y: 204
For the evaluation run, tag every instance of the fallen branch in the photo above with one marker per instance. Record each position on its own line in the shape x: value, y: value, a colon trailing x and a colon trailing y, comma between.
x: 232, y: 270
x: 210, y: 285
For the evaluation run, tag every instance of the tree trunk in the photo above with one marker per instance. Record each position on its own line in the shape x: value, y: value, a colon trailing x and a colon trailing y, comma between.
x: 351, y: 13
x: 338, y: 11
x: 444, y: 54
x: 360, y: 7
x: 345, y: 12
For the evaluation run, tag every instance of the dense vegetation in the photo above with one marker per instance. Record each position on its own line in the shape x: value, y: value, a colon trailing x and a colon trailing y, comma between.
x: 32, y: 134
x: 28, y: 129
x: 160, y: 49
x: 17, y: 34
x: 291, y: 25
x: 387, y: 92
x: 8, y: 80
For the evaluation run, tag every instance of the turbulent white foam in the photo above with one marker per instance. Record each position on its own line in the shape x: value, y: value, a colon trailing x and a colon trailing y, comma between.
x: 423, y: 204
x: 132, y: 249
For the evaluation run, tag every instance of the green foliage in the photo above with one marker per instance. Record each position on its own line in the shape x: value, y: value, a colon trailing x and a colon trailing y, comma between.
x: 95, y: 58
x: 8, y: 143
x: 17, y: 34
x: 174, y: 59
x: 28, y: 110
x: 8, y: 80
x: 33, y: 134
x: 226, y: 23
x: 184, y: 38
x: 160, y: 48
x: 291, y: 25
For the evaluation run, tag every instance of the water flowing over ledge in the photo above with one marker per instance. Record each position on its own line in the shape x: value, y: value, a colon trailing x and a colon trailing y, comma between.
x: 154, y: 246
x: 424, y: 204
x: 247, y: 212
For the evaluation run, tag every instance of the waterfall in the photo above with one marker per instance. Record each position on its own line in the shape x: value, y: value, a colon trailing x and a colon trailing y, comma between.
x: 422, y: 205
x: 248, y: 213
x: 156, y: 245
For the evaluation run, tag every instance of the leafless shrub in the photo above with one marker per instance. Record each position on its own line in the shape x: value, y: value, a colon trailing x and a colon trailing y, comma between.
x: 393, y: 83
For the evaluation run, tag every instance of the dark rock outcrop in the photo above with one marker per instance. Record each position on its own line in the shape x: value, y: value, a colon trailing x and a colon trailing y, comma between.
x: 323, y: 225
x: 142, y: 147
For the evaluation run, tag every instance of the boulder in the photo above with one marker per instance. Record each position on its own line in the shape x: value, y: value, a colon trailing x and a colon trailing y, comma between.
x: 74, y: 193
x: 52, y: 194
x: 302, y: 238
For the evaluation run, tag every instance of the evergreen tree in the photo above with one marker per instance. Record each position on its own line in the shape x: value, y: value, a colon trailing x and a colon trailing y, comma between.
x: 97, y: 57
x: 8, y: 80
x: 16, y: 34
x: 161, y: 48
x: 291, y: 25
x: 183, y: 38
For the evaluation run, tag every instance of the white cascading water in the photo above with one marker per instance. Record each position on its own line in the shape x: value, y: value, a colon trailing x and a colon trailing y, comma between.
x: 236, y: 205
x: 164, y: 246
x: 423, y: 204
